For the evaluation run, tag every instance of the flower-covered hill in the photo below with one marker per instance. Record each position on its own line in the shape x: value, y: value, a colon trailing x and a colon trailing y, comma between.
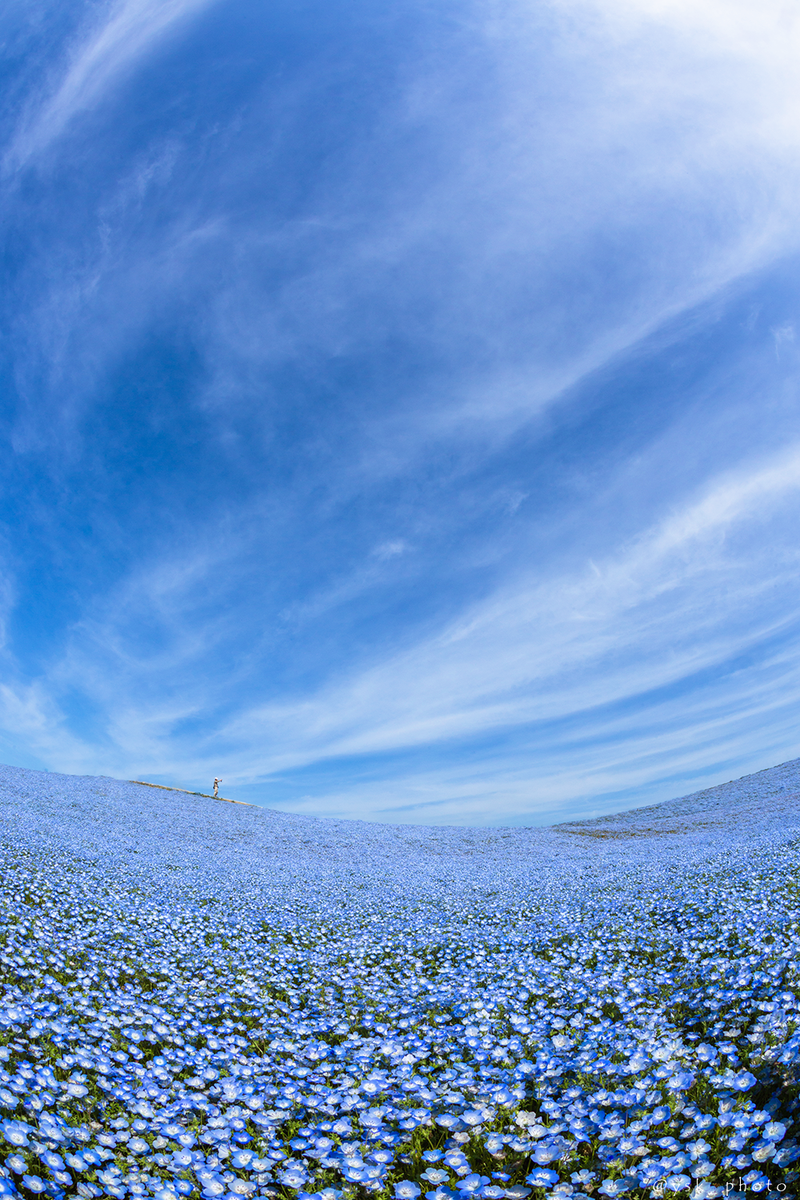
x: 214, y: 1000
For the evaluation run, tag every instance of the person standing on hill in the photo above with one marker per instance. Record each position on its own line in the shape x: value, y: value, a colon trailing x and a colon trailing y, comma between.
x: 217, y: 782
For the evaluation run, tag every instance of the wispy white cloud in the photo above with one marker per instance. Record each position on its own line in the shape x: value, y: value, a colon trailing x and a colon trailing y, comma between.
x: 673, y: 151
x: 655, y: 166
x: 642, y: 619
x: 390, y: 549
x: 703, y: 586
x: 620, y: 164
x: 125, y: 32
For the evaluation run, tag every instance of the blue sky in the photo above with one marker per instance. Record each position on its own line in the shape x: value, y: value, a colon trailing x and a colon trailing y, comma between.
x: 400, y: 402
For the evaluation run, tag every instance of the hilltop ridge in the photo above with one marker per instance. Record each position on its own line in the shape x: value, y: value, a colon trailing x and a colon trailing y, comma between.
x: 205, y: 999
x: 763, y: 797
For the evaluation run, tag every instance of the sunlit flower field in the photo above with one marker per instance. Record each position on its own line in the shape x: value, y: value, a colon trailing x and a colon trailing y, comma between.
x: 208, y: 1000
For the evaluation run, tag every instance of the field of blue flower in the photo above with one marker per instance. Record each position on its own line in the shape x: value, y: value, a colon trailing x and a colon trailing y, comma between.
x: 206, y: 1000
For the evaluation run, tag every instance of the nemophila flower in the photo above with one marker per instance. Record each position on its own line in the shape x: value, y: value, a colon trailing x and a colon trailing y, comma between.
x: 472, y: 1183
x: 677, y: 1183
x: 541, y: 1177
x: 651, y: 1173
x: 52, y: 1160
x: 213, y: 1187
x: 583, y: 1177
x: 14, y: 1133
x: 614, y: 1187
x: 786, y: 1155
x: 706, y: 1191
x: 755, y: 1181
x: 34, y: 1184
x: 546, y: 1154
x: 279, y: 1020
x: 406, y: 1189
x: 294, y: 1177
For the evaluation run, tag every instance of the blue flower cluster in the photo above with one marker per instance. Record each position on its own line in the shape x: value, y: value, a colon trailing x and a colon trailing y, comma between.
x: 214, y: 1001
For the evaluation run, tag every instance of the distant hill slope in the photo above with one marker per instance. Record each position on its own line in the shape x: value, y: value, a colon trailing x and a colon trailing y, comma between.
x: 766, y: 798
x: 115, y: 817
x: 310, y: 1003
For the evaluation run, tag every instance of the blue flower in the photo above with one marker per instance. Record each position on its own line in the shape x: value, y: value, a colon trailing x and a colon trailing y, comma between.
x: 34, y: 1184
x: 583, y: 1177
x: 542, y: 1178
x: 293, y: 1177
x: 405, y: 1189
x: 651, y: 1173
x: 214, y: 1187
x: 472, y: 1183
x: 285, y: 1016
x: 677, y: 1183
x: 614, y: 1187
x: 545, y: 1154
x: 14, y: 1133
x: 756, y: 1182
x: 241, y: 1158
